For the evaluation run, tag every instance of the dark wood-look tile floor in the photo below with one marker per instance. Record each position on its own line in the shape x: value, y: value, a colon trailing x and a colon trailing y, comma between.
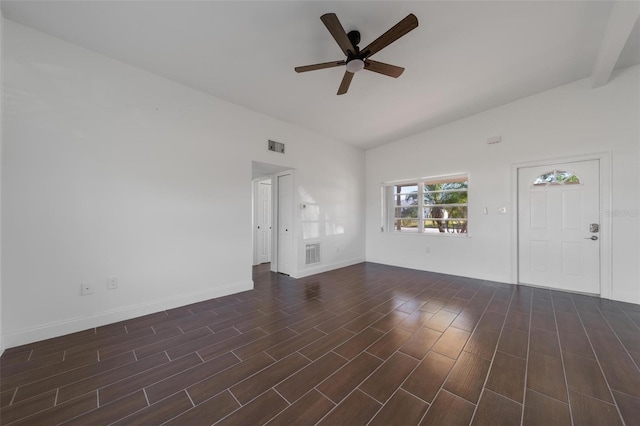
x: 368, y: 344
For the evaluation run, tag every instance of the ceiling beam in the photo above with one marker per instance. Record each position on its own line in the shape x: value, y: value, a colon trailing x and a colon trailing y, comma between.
x: 623, y: 17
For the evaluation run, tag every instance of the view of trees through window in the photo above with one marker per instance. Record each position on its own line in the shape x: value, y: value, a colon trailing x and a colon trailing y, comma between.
x: 557, y: 177
x: 430, y: 206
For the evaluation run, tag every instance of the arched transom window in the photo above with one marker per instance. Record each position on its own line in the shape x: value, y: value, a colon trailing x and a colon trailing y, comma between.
x: 557, y: 177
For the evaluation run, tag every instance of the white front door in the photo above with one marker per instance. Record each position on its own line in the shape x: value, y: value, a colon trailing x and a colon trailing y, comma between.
x: 285, y: 222
x: 558, y: 221
x: 264, y: 221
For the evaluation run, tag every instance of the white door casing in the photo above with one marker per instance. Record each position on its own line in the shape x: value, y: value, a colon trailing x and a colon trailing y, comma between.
x: 556, y: 247
x: 263, y: 222
x: 285, y: 224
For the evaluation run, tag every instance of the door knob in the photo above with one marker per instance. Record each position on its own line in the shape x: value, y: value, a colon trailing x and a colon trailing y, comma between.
x: 592, y: 238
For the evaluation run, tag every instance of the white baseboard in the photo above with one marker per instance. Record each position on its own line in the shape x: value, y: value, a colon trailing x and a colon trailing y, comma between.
x: 72, y: 325
x: 626, y: 296
x: 326, y: 268
x: 409, y: 265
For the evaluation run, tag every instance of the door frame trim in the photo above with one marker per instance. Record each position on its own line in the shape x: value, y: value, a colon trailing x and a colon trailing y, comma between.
x: 604, y: 158
x: 275, y: 231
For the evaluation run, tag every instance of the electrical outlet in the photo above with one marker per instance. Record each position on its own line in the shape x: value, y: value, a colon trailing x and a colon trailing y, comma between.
x: 112, y: 283
x: 86, y: 289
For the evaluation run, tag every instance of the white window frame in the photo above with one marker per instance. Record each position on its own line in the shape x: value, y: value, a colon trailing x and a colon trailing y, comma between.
x: 389, y: 206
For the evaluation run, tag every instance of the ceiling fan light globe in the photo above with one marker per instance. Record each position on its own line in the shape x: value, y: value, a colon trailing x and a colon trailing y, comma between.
x: 355, y: 65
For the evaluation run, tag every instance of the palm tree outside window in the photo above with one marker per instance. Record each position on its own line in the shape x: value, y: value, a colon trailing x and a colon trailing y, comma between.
x: 430, y: 205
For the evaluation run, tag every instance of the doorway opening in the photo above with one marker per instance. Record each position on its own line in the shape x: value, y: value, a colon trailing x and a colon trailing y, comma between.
x: 272, y: 217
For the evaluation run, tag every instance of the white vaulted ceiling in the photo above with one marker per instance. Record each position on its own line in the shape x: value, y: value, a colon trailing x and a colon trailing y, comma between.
x: 465, y: 57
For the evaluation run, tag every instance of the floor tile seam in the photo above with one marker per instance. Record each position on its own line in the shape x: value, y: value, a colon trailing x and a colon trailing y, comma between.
x: 357, y: 386
x: 344, y: 357
x: 382, y: 337
x: 625, y: 394
x: 148, y: 385
x: 64, y: 345
x: 74, y: 382
x: 551, y: 397
x: 503, y: 396
x: 196, y: 351
x: 299, y: 349
x: 250, y: 401
x: 382, y: 405
x: 172, y: 346
x: 257, y: 372
x: 144, y: 392
x: 32, y: 413
x: 564, y: 369
x: 229, y: 414
x: 400, y: 386
x: 344, y: 399
x: 13, y: 395
x: 526, y: 365
x: 631, y: 319
x: 613, y: 404
x: 495, y: 350
x: 597, y: 358
x: 199, y: 381
x: 103, y: 346
x: 65, y: 420
x: 309, y: 359
x: 39, y: 378
x: 444, y: 381
x: 412, y: 394
x: 442, y: 389
x: 146, y: 371
x: 615, y: 333
x: 289, y: 403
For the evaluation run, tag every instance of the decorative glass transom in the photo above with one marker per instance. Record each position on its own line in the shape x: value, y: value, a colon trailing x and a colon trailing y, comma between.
x: 557, y: 177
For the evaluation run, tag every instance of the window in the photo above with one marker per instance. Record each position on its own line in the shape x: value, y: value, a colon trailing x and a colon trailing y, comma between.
x: 557, y: 177
x: 429, y: 205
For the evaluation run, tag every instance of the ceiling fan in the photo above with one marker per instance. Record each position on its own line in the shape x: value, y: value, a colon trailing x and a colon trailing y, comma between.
x: 358, y: 59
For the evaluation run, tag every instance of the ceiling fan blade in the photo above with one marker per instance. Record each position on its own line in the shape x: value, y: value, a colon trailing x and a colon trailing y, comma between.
x: 346, y: 81
x: 394, y: 33
x: 334, y: 26
x: 382, y: 68
x: 319, y: 66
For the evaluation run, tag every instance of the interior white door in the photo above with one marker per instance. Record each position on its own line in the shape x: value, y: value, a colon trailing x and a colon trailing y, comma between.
x: 285, y: 222
x: 264, y: 221
x: 558, y: 235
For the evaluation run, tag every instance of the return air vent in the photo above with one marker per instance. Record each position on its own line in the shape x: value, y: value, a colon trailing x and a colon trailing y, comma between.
x: 276, y: 147
x: 312, y: 253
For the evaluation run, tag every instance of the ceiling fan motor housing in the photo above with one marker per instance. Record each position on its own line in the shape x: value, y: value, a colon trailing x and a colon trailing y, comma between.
x: 354, y: 38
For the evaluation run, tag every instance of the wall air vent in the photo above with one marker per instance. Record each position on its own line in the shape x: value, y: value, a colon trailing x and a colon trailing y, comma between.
x: 312, y: 253
x: 276, y: 147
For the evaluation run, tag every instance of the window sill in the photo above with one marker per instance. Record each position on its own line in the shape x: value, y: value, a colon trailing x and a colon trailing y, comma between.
x: 429, y: 234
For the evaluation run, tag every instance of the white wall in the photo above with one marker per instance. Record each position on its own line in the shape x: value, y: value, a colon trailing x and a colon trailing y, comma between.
x: 566, y: 121
x: 1, y: 101
x: 111, y: 171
